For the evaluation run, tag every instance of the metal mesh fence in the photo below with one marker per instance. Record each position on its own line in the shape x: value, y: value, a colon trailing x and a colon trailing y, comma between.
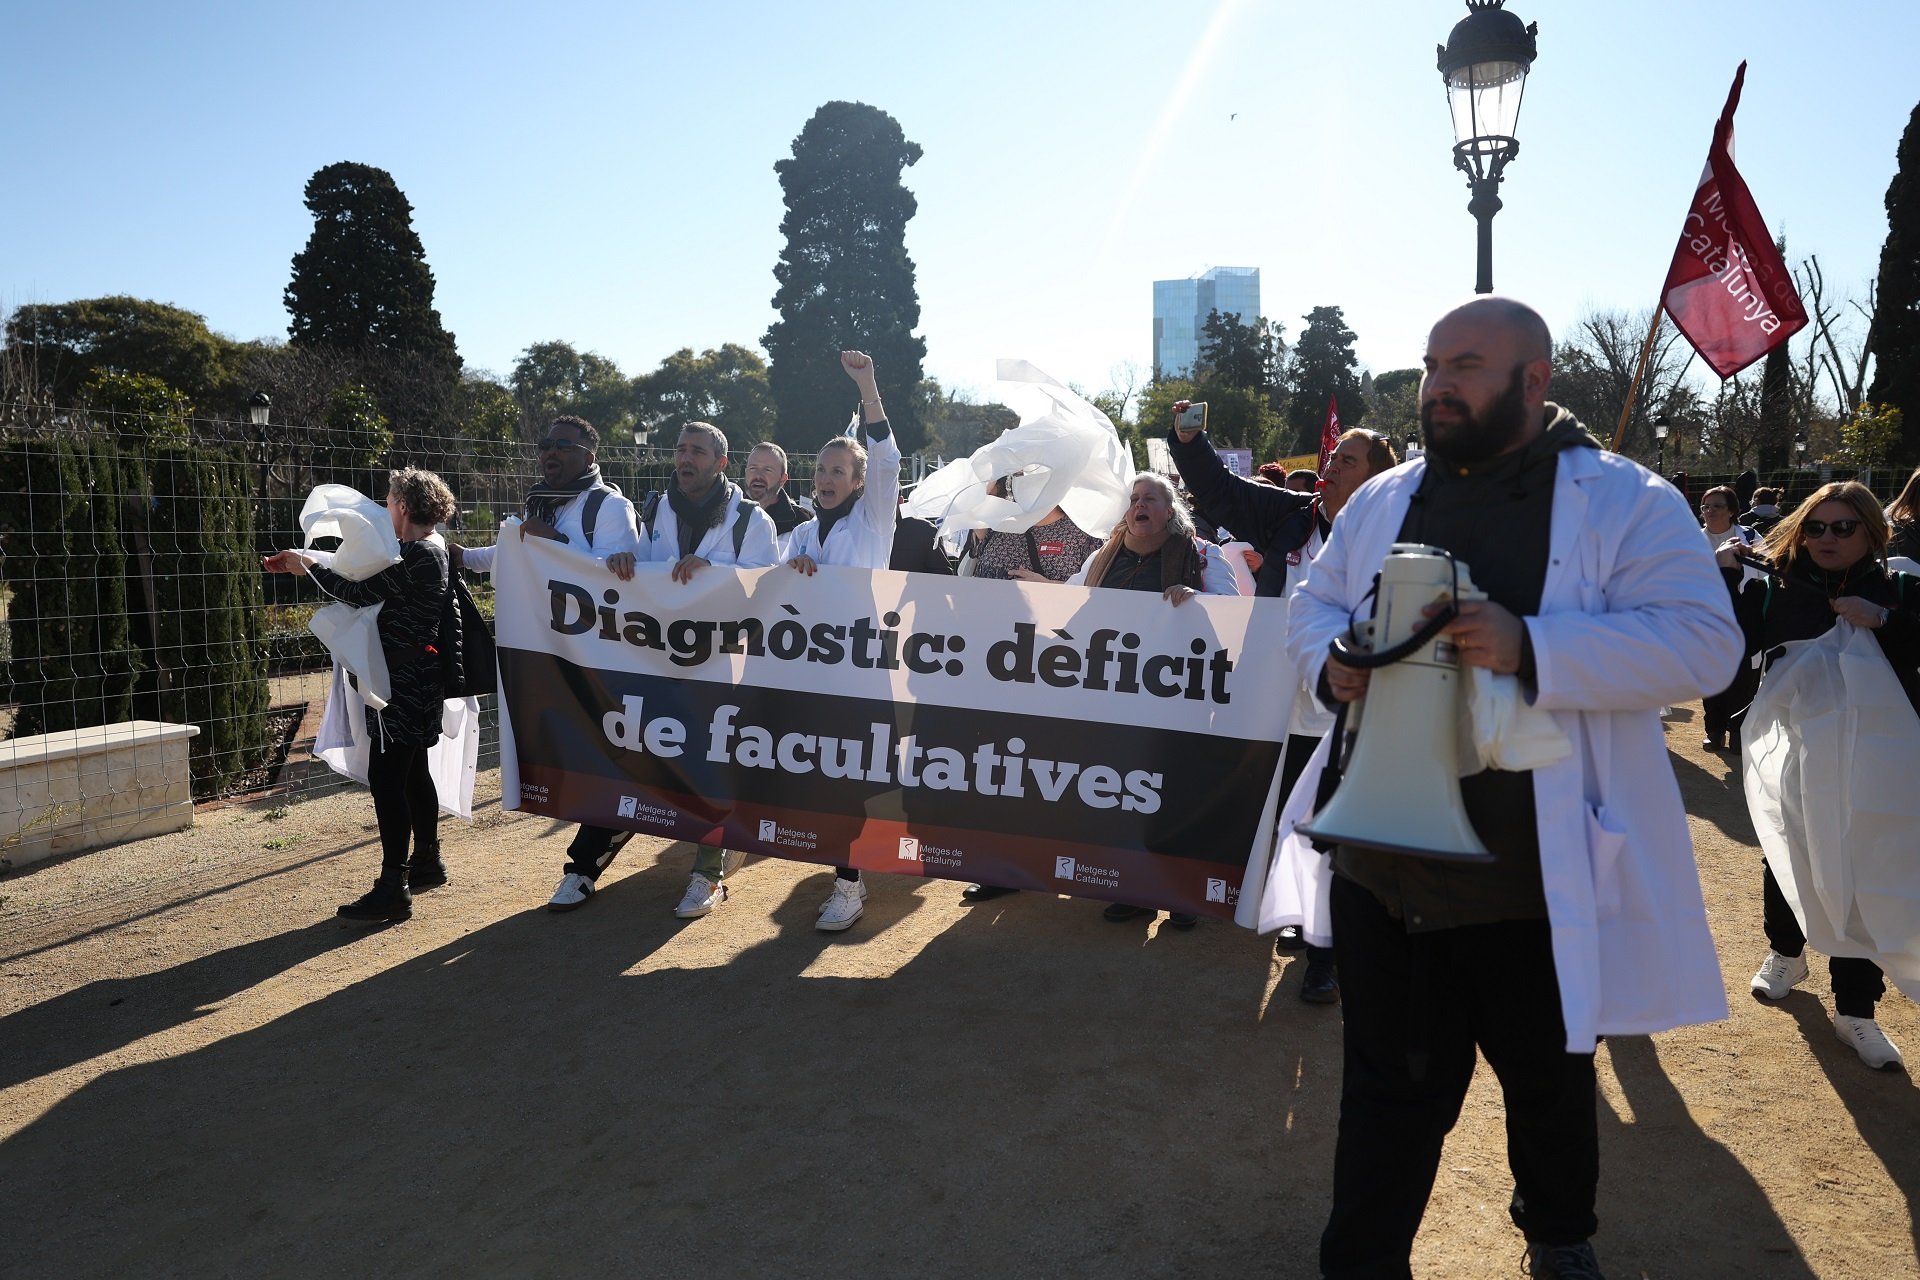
x: 132, y: 598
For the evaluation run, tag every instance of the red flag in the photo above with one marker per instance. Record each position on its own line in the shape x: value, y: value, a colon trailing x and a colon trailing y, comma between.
x: 1329, y: 435
x: 1728, y: 290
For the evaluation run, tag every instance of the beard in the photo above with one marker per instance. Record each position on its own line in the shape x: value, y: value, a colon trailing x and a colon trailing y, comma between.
x: 1471, y: 437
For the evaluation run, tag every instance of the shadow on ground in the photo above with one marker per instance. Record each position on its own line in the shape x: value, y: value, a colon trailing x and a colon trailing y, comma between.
x: 1034, y: 1092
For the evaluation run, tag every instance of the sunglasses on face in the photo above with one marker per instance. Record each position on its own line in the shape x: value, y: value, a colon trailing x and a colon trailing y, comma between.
x: 1818, y: 528
x: 564, y: 446
x: 1713, y: 506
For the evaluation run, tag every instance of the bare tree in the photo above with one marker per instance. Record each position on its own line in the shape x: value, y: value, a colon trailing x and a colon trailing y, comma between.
x: 1848, y: 371
x: 1593, y: 368
x: 1743, y: 427
x: 1124, y: 381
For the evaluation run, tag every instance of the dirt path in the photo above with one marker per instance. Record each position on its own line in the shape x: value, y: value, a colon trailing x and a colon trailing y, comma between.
x: 201, y: 1073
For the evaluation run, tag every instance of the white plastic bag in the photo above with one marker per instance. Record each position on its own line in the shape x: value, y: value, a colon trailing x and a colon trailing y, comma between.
x: 1502, y: 730
x: 1066, y: 454
x: 1831, y: 752
x: 352, y: 636
x: 368, y: 545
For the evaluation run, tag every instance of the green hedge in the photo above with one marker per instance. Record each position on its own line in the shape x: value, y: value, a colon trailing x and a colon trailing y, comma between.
x: 210, y: 666
x: 71, y: 662
x: 89, y: 644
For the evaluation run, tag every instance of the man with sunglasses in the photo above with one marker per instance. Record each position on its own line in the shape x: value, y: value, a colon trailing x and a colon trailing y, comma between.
x: 570, y: 503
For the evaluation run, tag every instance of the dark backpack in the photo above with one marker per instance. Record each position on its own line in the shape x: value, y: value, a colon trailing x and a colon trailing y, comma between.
x: 466, y: 646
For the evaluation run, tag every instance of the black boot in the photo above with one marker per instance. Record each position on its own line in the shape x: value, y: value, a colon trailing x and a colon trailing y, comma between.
x: 387, y: 900
x: 426, y: 871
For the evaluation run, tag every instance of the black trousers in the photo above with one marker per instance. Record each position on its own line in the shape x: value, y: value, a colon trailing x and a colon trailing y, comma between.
x: 1857, y: 984
x: 405, y: 803
x: 1725, y: 711
x: 1293, y: 763
x: 1416, y: 1006
x: 594, y: 848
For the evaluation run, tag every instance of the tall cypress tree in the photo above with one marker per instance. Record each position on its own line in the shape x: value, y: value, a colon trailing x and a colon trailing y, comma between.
x: 1896, y: 316
x: 362, y: 283
x: 845, y: 277
x: 1323, y: 369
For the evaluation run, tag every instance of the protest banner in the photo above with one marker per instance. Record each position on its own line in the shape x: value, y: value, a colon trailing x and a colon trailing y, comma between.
x: 1094, y: 742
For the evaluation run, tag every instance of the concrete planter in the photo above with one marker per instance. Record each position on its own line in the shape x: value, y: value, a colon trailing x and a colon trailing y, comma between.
x: 80, y: 789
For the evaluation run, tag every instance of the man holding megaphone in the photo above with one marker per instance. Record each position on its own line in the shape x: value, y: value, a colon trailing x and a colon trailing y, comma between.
x: 1587, y: 919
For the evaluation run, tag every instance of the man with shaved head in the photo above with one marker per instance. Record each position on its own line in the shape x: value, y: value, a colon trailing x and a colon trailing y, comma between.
x: 1587, y: 921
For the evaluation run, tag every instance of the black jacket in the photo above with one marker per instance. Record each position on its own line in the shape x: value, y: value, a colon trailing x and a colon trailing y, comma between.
x: 1779, y: 608
x: 916, y: 549
x: 787, y: 514
x: 1276, y: 522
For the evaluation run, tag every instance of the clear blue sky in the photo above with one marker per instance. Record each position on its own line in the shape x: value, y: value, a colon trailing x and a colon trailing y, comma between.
x: 602, y: 173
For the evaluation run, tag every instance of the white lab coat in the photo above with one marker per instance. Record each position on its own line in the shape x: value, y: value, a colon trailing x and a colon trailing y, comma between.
x: 862, y: 538
x: 759, y: 549
x: 614, y: 530
x: 1633, y: 615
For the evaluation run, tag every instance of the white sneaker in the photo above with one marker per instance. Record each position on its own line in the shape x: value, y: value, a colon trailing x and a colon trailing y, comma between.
x: 1866, y: 1038
x: 703, y: 895
x: 844, y: 907
x: 1778, y: 975
x: 861, y: 884
x: 573, y: 892
x: 731, y: 860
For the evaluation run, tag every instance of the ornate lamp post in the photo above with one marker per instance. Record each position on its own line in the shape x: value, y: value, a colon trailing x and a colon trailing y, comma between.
x: 1484, y: 64
x: 1661, y: 426
x: 259, y: 406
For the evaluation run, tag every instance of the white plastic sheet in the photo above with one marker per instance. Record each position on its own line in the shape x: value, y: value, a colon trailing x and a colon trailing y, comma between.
x: 1831, y: 751
x: 343, y: 745
x: 1066, y: 454
x: 368, y: 544
x: 1502, y: 730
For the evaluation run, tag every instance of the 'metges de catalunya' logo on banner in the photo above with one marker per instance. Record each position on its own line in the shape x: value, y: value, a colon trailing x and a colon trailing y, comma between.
x: 771, y: 832
x: 640, y: 810
x: 1085, y: 873
x: 909, y: 849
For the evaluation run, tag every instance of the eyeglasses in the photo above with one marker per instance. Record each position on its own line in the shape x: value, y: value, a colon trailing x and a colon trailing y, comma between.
x: 564, y: 446
x: 1713, y: 506
x: 1811, y: 529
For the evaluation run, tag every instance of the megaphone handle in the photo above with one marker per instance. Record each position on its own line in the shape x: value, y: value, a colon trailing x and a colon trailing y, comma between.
x: 1339, y: 649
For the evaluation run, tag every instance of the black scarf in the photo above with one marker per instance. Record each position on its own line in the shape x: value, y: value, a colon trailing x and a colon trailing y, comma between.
x: 545, y: 500
x: 830, y: 516
x: 695, y: 518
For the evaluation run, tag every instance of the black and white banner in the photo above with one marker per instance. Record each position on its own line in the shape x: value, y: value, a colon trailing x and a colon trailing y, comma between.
x: 1093, y: 742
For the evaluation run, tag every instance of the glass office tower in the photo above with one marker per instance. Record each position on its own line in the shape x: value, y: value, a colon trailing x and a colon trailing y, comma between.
x: 1180, y: 309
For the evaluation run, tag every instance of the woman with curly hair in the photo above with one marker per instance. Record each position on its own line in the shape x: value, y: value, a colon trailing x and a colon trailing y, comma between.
x: 414, y: 595
x: 1828, y: 566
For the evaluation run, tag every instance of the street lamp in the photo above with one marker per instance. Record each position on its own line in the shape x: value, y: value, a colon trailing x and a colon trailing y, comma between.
x: 1484, y: 64
x: 1661, y: 426
x: 258, y: 407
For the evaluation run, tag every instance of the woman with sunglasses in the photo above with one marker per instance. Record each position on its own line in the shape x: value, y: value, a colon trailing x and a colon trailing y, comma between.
x: 1828, y: 565
x: 1722, y: 710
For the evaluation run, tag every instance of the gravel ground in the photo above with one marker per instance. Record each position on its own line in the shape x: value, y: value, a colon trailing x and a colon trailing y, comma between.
x: 201, y: 1073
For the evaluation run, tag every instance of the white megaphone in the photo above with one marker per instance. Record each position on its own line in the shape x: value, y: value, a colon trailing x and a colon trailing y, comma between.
x: 1400, y: 789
